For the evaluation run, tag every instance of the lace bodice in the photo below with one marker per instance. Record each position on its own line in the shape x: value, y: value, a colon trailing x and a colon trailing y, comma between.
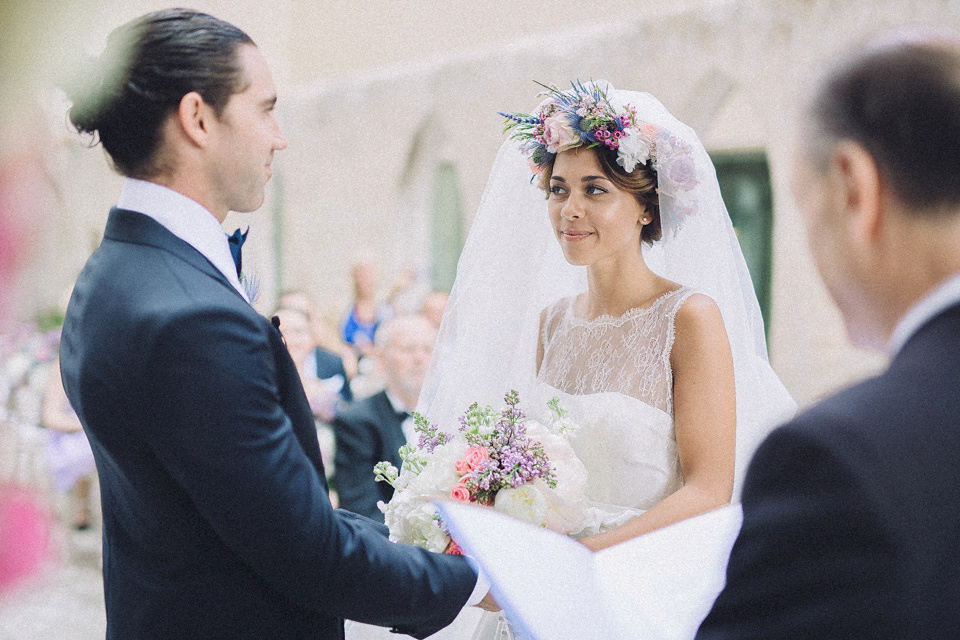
x: 629, y: 354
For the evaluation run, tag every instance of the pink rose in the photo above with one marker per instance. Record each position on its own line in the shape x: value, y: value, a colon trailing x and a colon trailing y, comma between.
x: 460, y: 493
x: 647, y: 130
x: 559, y: 135
x: 462, y: 467
x: 453, y: 549
x: 682, y: 172
x: 476, y: 456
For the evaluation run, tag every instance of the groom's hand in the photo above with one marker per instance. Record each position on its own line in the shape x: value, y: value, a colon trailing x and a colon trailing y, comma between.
x: 488, y: 603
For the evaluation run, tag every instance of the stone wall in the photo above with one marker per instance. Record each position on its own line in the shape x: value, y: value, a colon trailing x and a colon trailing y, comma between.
x: 357, y: 176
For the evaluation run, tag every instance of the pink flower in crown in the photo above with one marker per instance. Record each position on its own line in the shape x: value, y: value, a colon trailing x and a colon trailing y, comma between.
x: 558, y: 134
x: 680, y: 171
x: 462, y: 467
x: 460, y: 493
x: 647, y: 130
x: 476, y: 456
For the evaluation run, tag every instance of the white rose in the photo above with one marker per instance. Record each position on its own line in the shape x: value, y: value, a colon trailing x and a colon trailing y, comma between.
x: 525, y: 503
x: 567, y: 501
x: 634, y: 149
x: 425, y: 531
x: 396, y: 515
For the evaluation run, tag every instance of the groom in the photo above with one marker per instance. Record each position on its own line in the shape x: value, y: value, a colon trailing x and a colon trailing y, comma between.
x: 217, y: 522
x: 852, y: 511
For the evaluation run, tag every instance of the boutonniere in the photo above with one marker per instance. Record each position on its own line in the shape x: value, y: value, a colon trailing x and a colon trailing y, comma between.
x: 251, y: 286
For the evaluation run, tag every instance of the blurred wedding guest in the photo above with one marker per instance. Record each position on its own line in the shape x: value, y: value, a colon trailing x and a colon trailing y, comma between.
x: 366, y: 312
x: 433, y: 305
x: 323, y: 395
x: 374, y: 429
x: 851, y: 514
x: 327, y: 339
x: 69, y: 457
x: 406, y: 291
x: 324, y: 398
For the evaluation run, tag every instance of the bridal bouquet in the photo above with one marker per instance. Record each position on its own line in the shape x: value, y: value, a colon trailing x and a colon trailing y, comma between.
x: 502, y: 460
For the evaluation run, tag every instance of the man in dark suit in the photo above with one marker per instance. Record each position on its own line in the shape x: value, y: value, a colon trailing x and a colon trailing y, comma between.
x: 374, y: 429
x: 217, y: 522
x: 851, y: 511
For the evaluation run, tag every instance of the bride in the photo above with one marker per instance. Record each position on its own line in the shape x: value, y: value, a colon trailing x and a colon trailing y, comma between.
x: 624, y: 293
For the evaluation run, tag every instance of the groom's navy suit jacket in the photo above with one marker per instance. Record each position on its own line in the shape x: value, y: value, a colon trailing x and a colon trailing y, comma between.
x: 217, y: 522
x: 852, y: 511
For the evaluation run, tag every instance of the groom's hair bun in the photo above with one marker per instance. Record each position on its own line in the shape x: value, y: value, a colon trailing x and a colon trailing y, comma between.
x: 149, y: 64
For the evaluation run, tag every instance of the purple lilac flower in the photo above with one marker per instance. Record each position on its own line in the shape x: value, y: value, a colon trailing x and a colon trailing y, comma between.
x: 514, y: 459
x: 430, y: 435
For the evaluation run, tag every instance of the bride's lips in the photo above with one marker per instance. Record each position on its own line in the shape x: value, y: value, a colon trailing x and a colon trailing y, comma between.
x: 574, y: 236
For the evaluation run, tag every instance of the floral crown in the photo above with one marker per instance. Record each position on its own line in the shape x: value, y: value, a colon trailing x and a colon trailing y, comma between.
x: 584, y: 116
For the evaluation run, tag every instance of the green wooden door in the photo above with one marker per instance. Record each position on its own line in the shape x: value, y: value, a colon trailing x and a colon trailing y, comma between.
x: 446, y: 227
x: 745, y: 185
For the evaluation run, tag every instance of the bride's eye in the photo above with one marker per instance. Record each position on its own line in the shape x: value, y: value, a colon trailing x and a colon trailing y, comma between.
x: 593, y: 190
x: 557, y: 190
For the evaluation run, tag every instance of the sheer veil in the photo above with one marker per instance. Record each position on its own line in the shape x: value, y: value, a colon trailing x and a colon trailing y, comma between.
x: 512, y: 268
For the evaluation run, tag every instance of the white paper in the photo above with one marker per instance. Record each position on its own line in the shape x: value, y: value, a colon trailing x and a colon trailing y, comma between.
x: 660, y: 585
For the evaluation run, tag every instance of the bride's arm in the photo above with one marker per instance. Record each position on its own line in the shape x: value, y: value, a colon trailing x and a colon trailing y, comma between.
x: 704, y: 402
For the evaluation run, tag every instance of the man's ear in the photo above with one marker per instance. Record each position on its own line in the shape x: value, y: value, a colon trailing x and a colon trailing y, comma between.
x: 860, y: 189
x: 194, y: 116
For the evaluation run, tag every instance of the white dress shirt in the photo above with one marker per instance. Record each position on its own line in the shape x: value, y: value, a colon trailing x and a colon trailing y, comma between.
x: 409, y: 433
x: 185, y: 218
x: 944, y: 295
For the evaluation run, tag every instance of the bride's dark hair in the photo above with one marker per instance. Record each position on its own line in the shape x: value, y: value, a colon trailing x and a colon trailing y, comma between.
x: 147, y: 67
x: 641, y: 182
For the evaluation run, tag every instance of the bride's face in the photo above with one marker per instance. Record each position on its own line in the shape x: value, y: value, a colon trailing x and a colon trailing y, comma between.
x: 593, y: 219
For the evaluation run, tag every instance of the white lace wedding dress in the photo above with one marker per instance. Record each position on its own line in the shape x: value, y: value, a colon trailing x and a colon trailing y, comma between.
x: 613, y: 376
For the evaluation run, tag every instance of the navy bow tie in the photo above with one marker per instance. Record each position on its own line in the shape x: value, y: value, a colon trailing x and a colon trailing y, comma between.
x: 236, y: 244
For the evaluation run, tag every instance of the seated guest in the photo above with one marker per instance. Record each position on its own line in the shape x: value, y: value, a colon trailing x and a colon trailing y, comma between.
x: 366, y: 312
x: 325, y: 396
x: 326, y: 336
x: 322, y: 372
x: 433, y: 306
x: 374, y: 429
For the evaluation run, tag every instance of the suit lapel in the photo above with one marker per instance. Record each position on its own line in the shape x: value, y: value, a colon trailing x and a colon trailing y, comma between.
x: 391, y: 429
x: 137, y: 228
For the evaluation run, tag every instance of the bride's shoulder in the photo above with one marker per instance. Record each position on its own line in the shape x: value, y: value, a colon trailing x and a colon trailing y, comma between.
x: 695, y: 303
x: 698, y: 318
x: 557, y: 308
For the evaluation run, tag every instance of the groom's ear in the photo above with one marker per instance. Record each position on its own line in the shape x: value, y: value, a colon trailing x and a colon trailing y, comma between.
x: 194, y: 117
